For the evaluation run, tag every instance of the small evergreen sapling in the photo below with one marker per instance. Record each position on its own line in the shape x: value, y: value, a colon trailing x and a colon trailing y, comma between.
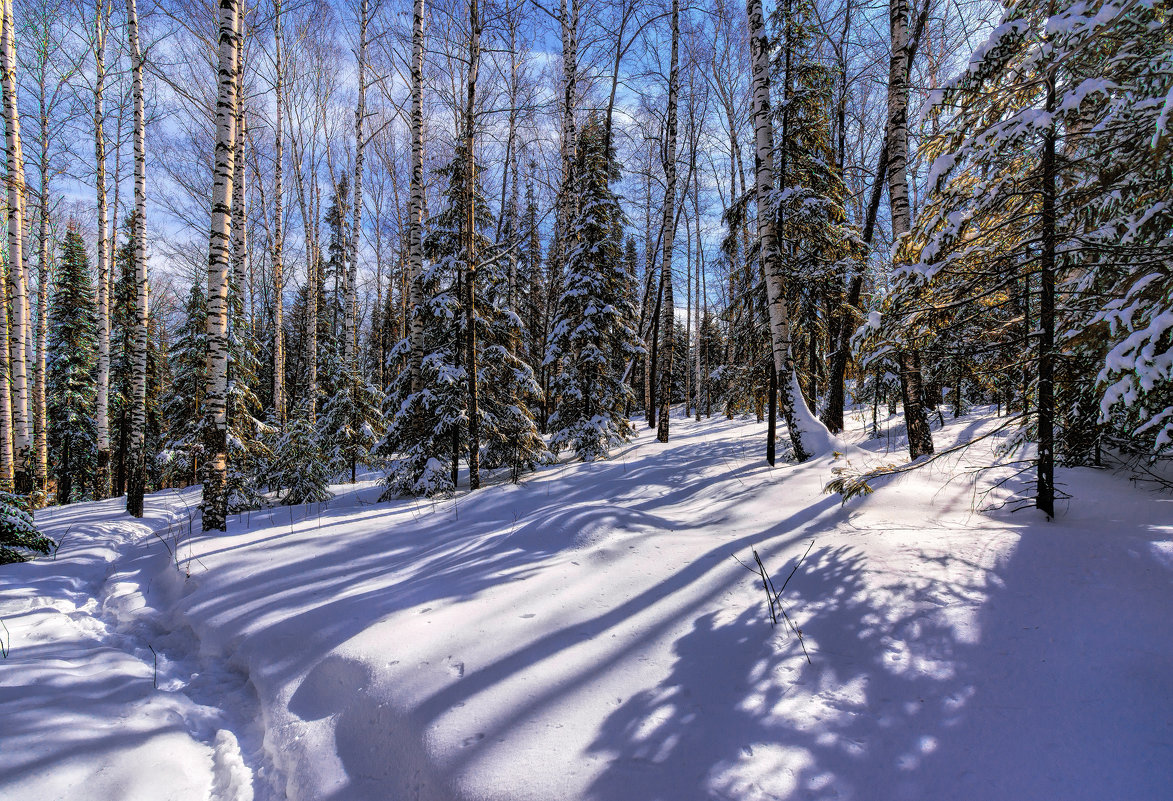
x: 298, y: 472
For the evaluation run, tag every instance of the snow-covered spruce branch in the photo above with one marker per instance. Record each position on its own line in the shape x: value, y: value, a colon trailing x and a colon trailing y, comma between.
x: 849, y: 481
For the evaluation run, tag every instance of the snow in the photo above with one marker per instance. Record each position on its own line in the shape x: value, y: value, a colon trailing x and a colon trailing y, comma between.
x: 588, y: 635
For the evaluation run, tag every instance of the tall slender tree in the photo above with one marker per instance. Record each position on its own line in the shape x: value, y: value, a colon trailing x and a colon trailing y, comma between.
x: 807, y: 435
x: 920, y: 436
x: 278, y: 244
x: 103, y: 250
x: 215, y: 478
x: 136, y: 486
x: 18, y: 317
x: 668, y: 325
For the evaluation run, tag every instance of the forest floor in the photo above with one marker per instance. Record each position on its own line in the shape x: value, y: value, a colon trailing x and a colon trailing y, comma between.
x: 590, y: 634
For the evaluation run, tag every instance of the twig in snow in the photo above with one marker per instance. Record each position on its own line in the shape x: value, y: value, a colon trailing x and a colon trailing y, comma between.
x: 774, y: 596
x: 60, y: 542
x: 155, y: 656
x: 5, y: 647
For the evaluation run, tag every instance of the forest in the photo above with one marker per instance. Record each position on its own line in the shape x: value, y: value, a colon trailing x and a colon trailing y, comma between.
x: 259, y: 247
x: 591, y: 400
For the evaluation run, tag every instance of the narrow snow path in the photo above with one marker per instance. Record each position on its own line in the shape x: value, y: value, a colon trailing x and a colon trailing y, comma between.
x: 105, y: 694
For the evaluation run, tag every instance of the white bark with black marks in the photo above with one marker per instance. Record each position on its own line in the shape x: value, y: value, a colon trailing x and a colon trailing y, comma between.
x: 18, y: 320
x: 219, y: 250
x: 807, y: 435
x: 136, y: 485
x: 415, y: 223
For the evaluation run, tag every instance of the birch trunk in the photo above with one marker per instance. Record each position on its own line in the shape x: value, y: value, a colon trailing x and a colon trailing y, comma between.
x: 669, y: 310
x: 700, y: 268
x: 474, y: 425
x: 6, y: 466
x: 102, y: 408
x: 136, y: 485
x: 350, y: 345
x: 17, y: 282
x: 40, y: 432
x: 278, y: 249
x: 415, y: 223
x: 564, y: 211
x: 215, y: 499
x: 920, y: 438
x: 240, y: 319
x: 805, y: 432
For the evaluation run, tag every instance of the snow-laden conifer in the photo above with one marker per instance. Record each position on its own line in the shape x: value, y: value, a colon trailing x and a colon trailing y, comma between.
x: 592, y: 337
x: 72, y: 386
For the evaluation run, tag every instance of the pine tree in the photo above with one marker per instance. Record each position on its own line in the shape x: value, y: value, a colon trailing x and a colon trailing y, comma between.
x: 247, y: 432
x: 592, y: 337
x: 350, y: 423
x: 425, y: 408
x: 72, y: 358
x: 813, y: 231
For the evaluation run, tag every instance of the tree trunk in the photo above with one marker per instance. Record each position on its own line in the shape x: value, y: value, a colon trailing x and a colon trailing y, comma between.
x: 1045, y: 497
x: 216, y: 424
x: 278, y: 221
x: 102, y: 408
x: 920, y: 437
x: 416, y: 216
x: 669, y: 228
x: 474, y: 425
x: 700, y: 268
x: 40, y: 431
x: 240, y: 319
x: 772, y: 268
x: 17, y: 282
x: 136, y: 485
x: 350, y: 345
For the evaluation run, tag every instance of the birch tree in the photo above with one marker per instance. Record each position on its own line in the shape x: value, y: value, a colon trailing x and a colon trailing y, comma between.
x: 18, y: 321
x: 215, y: 479
x: 50, y: 77
x: 474, y: 61
x: 136, y: 485
x: 807, y: 435
x: 415, y: 223
x: 669, y: 308
x: 278, y: 245
x: 102, y: 406
x: 350, y: 336
x: 920, y: 437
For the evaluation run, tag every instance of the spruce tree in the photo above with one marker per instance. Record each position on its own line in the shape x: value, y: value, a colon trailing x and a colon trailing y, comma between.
x: 592, y: 337
x: 298, y: 472
x: 427, y: 431
x: 183, y: 404
x: 351, y: 424
x: 1045, y: 236
x: 72, y: 385
x: 18, y: 533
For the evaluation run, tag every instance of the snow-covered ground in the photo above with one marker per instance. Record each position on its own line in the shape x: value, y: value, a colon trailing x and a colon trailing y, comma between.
x: 588, y: 634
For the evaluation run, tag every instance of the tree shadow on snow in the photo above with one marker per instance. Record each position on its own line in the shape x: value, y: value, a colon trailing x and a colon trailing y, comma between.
x: 1062, y: 688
